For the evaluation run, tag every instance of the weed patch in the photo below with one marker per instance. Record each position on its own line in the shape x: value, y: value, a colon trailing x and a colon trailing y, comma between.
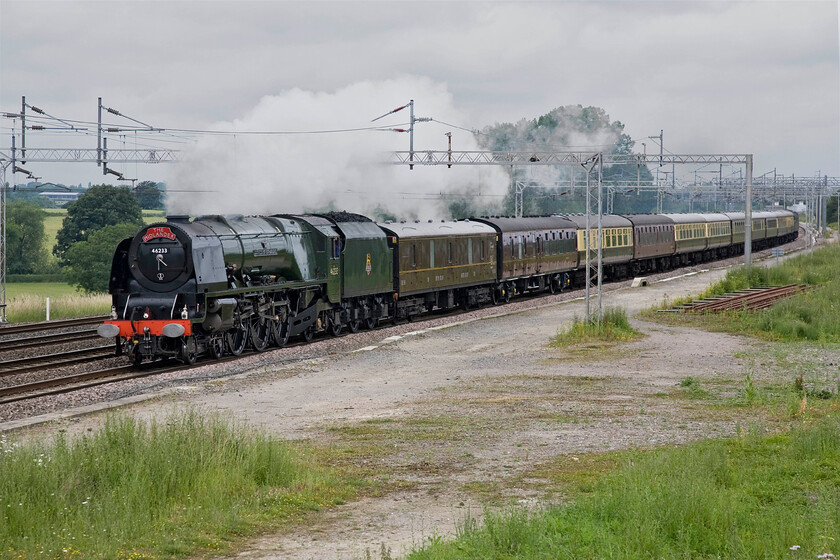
x: 614, y: 327
x: 153, y: 490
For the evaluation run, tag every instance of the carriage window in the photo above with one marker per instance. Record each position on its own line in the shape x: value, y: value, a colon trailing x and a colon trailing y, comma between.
x: 450, y: 251
x: 413, y: 255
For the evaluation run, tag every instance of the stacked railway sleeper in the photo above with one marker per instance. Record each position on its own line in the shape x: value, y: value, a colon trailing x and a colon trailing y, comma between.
x: 216, y: 285
x: 751, y: 300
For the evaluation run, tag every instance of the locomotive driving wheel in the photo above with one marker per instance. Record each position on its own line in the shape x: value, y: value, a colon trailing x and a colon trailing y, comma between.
x: 236, y: 339
x: 370, y: 323
x: 353, y: 326
x: 280, y: 332
x: 260, y: 333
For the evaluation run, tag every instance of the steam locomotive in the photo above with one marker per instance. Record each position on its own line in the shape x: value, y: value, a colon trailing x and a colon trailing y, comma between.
x: 219, y: 284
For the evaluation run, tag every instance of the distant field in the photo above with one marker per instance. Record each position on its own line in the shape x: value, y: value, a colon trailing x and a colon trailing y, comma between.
x: 52, y: 223
x: 40, y: 289
x: 26, y: 302
x: 55, y: 218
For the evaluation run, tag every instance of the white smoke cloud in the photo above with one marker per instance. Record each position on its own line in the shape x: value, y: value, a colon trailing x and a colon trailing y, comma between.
x: 263, y: 174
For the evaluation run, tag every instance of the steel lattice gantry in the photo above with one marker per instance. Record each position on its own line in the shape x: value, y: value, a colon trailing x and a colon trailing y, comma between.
x: 91, y: 155
x: 8, y: 161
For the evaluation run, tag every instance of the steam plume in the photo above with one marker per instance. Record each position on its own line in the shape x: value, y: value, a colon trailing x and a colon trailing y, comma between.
x: 262, y: 174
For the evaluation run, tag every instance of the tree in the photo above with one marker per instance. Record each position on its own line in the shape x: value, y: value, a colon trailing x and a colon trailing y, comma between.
x: 100, y: 206
x: 90, y: 260
x: 571, y: 127
x: 24, y: 237
x: 148, y: 195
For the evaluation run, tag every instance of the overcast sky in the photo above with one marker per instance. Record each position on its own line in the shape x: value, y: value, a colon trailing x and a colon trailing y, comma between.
x: 718, y: 77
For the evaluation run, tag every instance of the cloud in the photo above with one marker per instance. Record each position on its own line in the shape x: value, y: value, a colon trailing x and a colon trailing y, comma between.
x: 716, y: 76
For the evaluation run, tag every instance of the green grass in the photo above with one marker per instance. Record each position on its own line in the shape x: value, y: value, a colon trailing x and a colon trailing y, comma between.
x: 189, y: 485
x: 26, y: 302
x: 748, y: 497
x: 614, y: 327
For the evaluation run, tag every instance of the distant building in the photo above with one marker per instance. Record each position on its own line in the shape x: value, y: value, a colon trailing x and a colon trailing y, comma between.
x: 61, y: 198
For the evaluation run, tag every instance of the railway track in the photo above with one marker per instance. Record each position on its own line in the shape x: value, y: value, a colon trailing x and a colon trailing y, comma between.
x: 50, y: 325
x: 44, y: 340
x: 68, y: 383
x: 66, y: 358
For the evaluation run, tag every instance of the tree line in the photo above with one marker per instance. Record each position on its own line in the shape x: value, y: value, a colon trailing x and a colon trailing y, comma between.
x: 95, y: 223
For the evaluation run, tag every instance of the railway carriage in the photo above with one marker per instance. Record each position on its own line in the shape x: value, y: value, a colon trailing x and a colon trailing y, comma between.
x: 788, y: 225
x: 653, y: 242
x: 441, y: 264
x: 779, y: 226
x: 616, y: 244
x: 690, y: 237
x: 718, y: 236
x: 533, y: 253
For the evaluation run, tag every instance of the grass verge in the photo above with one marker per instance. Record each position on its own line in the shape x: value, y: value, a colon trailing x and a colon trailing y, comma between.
x: 189, y: 485
x: 748, y: 497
